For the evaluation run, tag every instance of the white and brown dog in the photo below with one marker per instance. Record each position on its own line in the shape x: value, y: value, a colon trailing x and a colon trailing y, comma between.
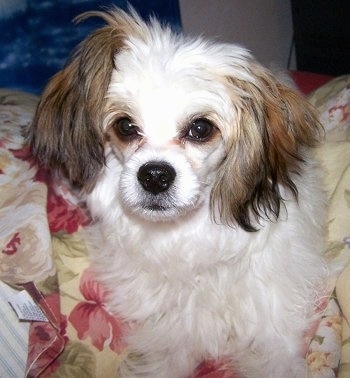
x: 195, y: 163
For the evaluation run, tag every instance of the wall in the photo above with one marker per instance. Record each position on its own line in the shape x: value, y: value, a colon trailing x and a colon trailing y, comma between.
x: 263, y: 26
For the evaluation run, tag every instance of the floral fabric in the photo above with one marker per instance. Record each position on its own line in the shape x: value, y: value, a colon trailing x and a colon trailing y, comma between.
x: 43, y: 251
x: 333, y: 102
x: 25, y: 241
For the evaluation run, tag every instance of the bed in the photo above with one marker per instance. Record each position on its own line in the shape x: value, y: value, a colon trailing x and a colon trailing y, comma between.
x: 43, y: 254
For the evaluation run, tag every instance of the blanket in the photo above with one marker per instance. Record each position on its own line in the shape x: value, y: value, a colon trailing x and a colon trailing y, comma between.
x: 43, y: 254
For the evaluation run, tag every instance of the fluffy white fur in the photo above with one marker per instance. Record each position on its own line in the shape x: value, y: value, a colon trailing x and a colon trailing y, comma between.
x: 197, y: 284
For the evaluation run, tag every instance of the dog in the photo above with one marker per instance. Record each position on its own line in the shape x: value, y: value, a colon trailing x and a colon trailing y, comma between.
x: 209, y: 212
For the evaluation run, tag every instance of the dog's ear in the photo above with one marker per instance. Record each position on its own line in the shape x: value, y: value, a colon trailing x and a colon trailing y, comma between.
x: 265, y: 151
x: 66, y: 133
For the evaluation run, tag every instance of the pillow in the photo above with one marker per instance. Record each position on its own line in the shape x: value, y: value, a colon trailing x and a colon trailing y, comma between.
x: 332, y: 101
x: 308, y: 81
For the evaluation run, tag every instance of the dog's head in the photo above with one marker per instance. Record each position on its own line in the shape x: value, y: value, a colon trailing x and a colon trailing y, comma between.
x: 183, y: 123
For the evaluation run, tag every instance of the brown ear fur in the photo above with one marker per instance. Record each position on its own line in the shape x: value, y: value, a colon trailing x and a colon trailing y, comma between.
x: 66, y: 133
x: 274, y: 125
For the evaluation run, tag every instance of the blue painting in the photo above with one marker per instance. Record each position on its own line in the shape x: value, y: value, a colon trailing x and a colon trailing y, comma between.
x: 37, y: 36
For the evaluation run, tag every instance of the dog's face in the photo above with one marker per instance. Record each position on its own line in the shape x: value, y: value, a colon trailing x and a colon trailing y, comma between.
x: 165, y: 123
x: 187, y: 123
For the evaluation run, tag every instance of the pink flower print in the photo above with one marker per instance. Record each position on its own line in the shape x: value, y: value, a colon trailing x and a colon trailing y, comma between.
x: 214, y: 369
x: 12, y: 246
x: 91, y: 319
x: 46, y: 339
x: 339, y: 112
x: 61, y: 213
x: 64, y: 216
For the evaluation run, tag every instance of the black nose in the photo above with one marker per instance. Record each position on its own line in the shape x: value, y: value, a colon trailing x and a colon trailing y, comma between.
x: 156, y: 177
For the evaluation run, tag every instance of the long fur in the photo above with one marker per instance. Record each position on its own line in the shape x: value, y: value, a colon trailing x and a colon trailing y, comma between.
x: 228, y: 261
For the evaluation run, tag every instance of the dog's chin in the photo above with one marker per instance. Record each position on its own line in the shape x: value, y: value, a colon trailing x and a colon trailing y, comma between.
x: 158, y: 211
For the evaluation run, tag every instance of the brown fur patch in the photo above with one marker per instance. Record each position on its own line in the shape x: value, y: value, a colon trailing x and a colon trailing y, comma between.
x: 66, y: 133
x: 274, y: 125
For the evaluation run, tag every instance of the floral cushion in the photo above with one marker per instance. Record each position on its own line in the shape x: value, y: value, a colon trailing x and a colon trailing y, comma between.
x: 43, y: 251
x: 333, y: 102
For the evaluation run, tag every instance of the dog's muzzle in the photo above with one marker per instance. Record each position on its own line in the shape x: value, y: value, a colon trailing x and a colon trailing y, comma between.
x: 156, y: 177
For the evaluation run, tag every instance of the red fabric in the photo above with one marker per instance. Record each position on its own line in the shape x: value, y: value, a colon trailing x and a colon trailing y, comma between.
x: 308, y: 81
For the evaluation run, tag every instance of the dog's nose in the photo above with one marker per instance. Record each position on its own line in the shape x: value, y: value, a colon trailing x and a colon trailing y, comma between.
x: 156, y: 177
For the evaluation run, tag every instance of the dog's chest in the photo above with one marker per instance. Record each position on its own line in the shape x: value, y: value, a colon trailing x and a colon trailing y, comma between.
x: 173, y: 272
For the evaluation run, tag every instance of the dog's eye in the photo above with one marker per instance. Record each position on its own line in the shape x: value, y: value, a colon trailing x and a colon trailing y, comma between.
x: 126, y: 129
x: 200, y: 130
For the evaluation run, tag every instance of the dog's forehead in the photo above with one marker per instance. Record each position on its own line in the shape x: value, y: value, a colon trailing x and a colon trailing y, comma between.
x: 167, y: 86
x: 158, y: 108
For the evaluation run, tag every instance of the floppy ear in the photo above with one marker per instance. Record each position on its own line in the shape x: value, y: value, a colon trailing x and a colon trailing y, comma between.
x: 275, y: 124
x: 66, y: 133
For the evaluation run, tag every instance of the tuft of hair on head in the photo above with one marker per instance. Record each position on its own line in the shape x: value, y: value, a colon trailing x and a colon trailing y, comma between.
x: 66, y: 133
x: 275, y: 125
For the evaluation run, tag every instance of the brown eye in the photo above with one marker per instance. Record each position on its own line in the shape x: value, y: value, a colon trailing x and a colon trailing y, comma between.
x: 126, y: 129
x: 200, y: 130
